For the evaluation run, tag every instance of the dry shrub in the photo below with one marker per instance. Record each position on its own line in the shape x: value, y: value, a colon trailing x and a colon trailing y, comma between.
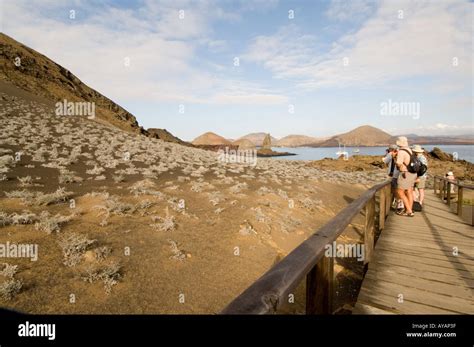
x: 74, y: 246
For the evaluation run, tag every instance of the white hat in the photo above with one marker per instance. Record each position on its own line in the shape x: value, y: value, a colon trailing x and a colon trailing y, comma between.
x: 417, y: 149
x: 402, y: 141
x: 450, y: 173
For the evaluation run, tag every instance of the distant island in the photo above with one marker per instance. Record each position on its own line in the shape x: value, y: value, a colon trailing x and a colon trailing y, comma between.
x: 260, y: 142
x: 363, y: 136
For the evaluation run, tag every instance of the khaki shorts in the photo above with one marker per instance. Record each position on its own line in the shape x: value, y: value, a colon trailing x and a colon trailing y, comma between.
x: 407, y: 182
x: 422, y: 183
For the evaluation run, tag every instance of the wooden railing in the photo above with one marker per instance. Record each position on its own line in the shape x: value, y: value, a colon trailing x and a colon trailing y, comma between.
x: 272, y: 290
x: 442, y: 188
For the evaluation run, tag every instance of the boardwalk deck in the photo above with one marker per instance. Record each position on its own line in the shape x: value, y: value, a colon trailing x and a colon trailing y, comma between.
x: 415, y: 269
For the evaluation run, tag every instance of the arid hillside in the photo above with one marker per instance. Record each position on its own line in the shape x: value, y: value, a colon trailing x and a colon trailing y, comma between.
x: 257, y: 138
x: 210, y: 139
x: 30, y: 70
x: 297, y: 141
x: 365, y: 135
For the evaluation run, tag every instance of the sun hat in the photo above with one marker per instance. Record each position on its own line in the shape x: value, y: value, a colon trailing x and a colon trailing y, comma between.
x: 392, y: 147
x: 450, y: 173
x: 402, y: 141
x: 417, y: 149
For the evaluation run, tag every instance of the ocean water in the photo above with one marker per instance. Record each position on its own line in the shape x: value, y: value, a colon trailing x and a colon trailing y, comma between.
x: 465, y: 152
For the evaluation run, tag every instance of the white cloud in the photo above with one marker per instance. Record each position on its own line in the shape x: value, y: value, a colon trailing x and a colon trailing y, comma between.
x: 286, y: 54
x: 159, y: 46
x: 217, y: 45
x: 343, y: 10
x: 385, y: 48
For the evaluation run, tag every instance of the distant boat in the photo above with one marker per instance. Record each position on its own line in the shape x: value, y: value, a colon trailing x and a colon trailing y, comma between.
x: 356, y: 150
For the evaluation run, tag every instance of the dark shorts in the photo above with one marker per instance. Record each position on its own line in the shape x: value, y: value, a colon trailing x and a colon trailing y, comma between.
x: 394, y: 183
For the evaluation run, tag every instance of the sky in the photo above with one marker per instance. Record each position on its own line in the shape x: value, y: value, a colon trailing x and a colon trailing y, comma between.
x: 310, y: 67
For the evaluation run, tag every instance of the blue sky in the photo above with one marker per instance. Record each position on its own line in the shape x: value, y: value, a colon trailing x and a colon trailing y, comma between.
x: 333, y: 63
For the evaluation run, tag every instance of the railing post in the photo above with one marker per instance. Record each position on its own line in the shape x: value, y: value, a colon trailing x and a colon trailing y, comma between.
x: 435, y: 182
x: 389, y: 199
x: 460, y: 198
x: 369, y: 230
x: 320, y: 287
x: 382, y: 202
x: 448, y: 193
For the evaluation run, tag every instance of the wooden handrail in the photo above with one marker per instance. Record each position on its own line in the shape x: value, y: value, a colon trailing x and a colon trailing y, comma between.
x: 271, y: 291
x: 457, y: 182
x: 443, y: 185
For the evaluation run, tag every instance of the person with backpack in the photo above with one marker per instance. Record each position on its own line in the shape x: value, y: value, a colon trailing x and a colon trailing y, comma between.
x: 408, y: 165
x: 421, y: 180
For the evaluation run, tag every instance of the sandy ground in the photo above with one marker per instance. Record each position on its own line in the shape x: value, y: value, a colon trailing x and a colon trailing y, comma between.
x: 138, y: 225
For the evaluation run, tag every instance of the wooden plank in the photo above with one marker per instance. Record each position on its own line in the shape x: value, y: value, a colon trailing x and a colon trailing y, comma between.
x: 320, y: 287
x: 420, y: 240
x: 393, y: 256
x: 427, y: 246
x: 369, y: 230
x: 439, y: 255
x: 429, y: 275
x: 439, y: 222
x: 421, y: 267
x: 427, y: 253
x: 411, y: 241
x: 451, y: 289
x: 389, y: 303
x: 420, y: 296
x: 368, y: 309
x: 464, y: 251
x: 423, y: 239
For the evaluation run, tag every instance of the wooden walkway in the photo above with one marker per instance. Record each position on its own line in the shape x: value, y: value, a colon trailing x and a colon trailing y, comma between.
x: 414, y: 270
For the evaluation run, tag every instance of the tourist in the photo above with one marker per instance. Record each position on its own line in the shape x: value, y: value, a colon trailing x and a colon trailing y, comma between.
x: 406, y: 180
x: 390, y: 159
x: 450, y: 177
x: 420, y: 182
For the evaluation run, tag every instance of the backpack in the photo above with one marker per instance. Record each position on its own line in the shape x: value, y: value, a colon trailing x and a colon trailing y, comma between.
x: 422, y: 170
x: 417, y: 207
x: 415, y: 165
